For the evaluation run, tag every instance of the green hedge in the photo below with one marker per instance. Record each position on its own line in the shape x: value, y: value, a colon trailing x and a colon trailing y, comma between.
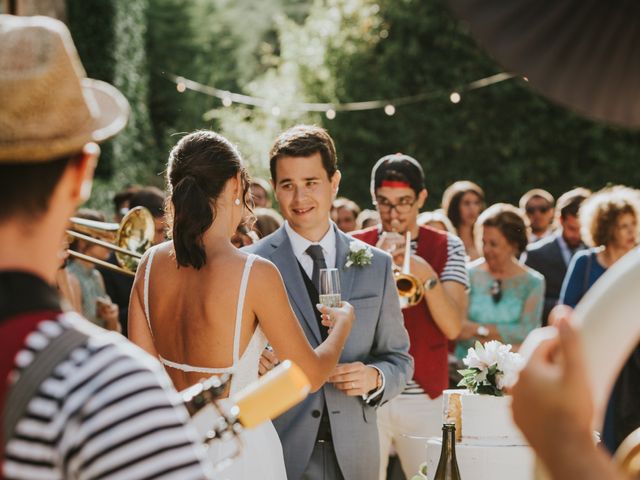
x: 110, y: 36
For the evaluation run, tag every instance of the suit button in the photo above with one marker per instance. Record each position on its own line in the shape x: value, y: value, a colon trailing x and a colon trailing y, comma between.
x: 315, y: 413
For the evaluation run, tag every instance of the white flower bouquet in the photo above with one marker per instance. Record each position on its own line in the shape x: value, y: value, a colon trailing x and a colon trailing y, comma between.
x: 491, y: 368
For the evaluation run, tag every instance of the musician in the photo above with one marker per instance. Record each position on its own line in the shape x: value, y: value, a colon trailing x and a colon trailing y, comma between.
x: 438, y: 262
x: 102, y: 408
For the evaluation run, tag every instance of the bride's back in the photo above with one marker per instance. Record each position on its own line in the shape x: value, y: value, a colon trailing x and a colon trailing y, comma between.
x: 193, y: 312
x: 191, y: 284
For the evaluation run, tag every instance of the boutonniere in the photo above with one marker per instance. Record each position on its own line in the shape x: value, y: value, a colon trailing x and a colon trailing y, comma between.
x: 359, y: 254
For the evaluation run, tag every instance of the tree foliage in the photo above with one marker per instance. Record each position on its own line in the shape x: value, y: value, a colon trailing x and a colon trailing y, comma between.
x: 505, y: 137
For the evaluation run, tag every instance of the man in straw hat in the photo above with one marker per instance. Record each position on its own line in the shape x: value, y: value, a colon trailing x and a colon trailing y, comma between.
x: 75, y: 401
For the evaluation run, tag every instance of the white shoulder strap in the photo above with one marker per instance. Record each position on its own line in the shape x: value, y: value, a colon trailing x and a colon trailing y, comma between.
x: 239, y: 308
x: 147, y: 274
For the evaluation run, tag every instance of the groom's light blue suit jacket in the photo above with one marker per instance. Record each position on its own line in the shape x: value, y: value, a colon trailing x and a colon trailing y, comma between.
x: 378, y: 338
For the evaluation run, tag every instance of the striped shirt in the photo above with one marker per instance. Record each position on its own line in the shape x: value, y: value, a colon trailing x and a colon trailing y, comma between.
x: 107, y: 411
x: 455, y: 270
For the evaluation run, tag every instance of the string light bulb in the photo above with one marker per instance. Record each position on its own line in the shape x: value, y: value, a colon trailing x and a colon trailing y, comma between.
x: 329, y: 109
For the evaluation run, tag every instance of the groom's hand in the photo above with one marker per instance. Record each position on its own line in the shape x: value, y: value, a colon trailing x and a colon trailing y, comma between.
x: 354, y: 379
x: 268, y: 360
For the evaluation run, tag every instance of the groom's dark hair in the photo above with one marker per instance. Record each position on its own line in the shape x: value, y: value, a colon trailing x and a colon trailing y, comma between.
x: 304, y: 141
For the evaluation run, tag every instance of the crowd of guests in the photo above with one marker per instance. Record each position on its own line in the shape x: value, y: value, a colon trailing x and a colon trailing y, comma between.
x: 515, y: 263
x: 377, y: 372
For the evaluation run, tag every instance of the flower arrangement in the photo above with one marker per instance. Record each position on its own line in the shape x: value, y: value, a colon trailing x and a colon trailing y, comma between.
x: 359, y: 254
x: 491, y: 368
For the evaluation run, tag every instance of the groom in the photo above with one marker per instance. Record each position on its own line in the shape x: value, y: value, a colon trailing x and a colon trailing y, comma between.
x: 333, y: 433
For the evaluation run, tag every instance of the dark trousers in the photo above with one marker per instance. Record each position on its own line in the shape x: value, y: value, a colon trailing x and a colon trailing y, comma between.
x: 323, y: 464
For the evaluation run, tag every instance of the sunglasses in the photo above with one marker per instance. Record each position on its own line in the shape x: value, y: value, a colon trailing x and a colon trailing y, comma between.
x: 541, y: 209
x: 496, y: 291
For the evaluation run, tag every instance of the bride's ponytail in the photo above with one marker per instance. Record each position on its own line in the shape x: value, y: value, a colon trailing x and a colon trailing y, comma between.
x: 199, y: 167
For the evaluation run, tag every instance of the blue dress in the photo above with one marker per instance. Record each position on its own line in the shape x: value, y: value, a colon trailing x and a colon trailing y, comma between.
x: 584, y: 270
x: 582, y: 273
x: 515, y: 314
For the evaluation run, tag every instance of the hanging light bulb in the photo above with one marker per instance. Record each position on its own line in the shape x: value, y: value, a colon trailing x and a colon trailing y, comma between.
x: 226, y: 101
x: 331, y: 114
x: 181, y: 87
x: 389, y: 109
x: 455, y: 97
x: 275, y: 111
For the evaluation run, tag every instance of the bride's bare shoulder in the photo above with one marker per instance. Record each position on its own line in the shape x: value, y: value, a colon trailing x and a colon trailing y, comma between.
x: 265, y: 271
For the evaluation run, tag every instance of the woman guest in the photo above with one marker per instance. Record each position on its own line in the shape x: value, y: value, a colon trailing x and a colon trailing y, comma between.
x: 506, y: 298
x: 462, y: 202
x: 609, y: 220
x: 199, y: 305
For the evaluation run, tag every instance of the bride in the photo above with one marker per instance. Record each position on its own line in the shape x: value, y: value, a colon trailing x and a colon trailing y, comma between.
x: 203, y: 307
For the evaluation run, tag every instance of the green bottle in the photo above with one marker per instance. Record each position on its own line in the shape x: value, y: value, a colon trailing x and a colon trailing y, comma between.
x: 448, y: 466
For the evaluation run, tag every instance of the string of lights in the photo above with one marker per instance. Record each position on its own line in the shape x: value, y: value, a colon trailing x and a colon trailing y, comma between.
x: 330, y: 109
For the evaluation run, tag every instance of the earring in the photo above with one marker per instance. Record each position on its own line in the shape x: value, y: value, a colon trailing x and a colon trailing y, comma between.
x: 237, y: 201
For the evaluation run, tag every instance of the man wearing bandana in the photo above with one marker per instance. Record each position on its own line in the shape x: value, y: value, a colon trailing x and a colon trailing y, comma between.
x: 437, y: 260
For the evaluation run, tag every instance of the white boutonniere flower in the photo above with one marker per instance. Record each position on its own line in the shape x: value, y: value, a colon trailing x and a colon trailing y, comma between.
x: 359, y: 254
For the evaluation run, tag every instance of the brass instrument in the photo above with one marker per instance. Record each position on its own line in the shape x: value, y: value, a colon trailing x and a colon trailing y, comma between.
x: 410, y: 288
x: 129, y: 239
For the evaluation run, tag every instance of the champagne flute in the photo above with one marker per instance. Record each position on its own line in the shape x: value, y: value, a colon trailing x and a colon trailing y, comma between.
x: 329, y: 294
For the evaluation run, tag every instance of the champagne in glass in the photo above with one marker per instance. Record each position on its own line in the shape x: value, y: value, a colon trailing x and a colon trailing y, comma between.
x: 329, y: 287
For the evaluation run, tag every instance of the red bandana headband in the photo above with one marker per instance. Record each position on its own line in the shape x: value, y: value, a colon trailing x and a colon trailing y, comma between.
x: 394, y: 184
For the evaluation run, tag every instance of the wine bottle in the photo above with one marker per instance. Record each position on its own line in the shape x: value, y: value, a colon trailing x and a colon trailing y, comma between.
x: 448, y: 466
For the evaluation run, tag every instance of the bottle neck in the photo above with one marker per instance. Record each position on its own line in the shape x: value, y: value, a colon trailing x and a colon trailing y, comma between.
x: 448, y: 465
x: 449, y: 440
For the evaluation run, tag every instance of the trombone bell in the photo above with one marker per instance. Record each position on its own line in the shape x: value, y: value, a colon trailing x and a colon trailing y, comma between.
x: 128, y: 239
x: 410, y: 288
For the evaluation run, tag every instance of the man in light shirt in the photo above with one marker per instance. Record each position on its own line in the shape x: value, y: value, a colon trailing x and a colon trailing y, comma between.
x: 333, y: 433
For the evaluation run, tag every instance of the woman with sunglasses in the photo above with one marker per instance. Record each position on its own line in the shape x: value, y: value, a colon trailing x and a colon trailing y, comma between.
x: 506, y: 298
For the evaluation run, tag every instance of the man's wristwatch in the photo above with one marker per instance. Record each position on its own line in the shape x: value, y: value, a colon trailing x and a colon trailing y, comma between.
x: 431, y: 283
x: 482, y: 331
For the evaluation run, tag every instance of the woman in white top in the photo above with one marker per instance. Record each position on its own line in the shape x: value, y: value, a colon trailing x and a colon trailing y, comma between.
x: 203, y: 307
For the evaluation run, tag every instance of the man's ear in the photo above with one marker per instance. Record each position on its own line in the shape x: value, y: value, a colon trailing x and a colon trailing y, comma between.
x: 422, y: 197
x: 82, y: 171
x: 335, y: 182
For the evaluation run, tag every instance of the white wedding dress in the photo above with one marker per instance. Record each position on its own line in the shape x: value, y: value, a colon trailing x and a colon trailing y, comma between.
x: 261, y: 455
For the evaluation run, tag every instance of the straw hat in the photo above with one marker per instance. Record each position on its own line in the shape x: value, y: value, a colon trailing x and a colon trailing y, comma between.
x: 48, y: 107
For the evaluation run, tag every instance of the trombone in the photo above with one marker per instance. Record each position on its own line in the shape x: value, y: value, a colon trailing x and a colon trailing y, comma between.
x: 410, y: 288
x: 129, y: 239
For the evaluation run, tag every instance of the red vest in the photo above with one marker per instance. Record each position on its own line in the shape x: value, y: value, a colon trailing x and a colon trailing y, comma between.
x: 428, y: 344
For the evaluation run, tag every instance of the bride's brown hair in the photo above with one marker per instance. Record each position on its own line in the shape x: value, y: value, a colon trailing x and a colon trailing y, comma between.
x: 199, y: 166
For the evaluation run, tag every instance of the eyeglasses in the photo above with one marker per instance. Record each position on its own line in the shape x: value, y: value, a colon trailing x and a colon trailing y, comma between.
x: 404, y: 206
x: 542, y: 209
x: 496, y: 291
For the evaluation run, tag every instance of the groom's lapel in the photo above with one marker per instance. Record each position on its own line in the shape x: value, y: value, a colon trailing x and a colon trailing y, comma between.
x: 346, y: 274
x: 284, y: 258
